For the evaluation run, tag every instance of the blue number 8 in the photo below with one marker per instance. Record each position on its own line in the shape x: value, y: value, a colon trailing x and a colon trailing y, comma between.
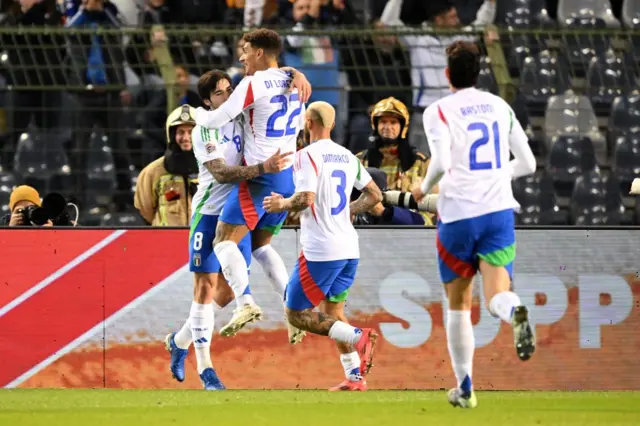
x: 341, y: 189
x: 272, y: 132
x: 237, y: 141
x: 474, y: 164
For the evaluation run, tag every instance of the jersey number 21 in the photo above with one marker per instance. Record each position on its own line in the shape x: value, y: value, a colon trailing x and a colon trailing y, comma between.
x: 474, y: 164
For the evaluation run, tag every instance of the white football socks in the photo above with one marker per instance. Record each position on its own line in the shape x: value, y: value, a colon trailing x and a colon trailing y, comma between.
x: 201, y: 320
x: 182, y: 338
x: 351, y: 364
x: 461, y: 344
x: 234, y: 268
x: 343, y: 332
x: 503, y: 304
x: 273, y: 267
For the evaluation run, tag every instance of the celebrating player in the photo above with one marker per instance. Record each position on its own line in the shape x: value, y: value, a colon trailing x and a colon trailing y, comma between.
x: 219, y: 155
x: 325, y: 174
x: 272, y: 119
x: 470, y: 134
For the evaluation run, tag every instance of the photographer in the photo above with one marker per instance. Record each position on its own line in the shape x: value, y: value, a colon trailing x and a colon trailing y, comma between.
x: 22, y: 198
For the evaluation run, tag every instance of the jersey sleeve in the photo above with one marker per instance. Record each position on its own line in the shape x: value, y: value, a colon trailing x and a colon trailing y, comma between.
x: 206, y: 144
x: 524, y: 162
x: 242, y: 98
x: 305, y: 172
x: 436, y: 128
x: 362, y: 175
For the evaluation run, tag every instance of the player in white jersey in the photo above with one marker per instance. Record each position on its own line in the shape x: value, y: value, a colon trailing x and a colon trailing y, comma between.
x: 272, y: 119
x: 325, y: 174
x: 471, y: 134
x: 223, y: 147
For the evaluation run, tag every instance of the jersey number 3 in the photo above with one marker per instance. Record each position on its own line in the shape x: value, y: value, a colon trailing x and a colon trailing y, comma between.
x: 341, y: 189
x: 290, y: 129
x: 474, y: 164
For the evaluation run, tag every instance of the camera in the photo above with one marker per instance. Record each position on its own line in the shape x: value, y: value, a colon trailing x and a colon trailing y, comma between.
x: 53, y: 209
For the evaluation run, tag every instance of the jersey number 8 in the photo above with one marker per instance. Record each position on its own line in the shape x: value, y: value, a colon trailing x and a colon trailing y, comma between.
x: 197, y: 241
x: 474, y: 164
x: 290, y: 129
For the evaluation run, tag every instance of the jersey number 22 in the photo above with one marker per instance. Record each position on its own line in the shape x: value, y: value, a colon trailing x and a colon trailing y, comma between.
x: 290, y: 128
x: 474, y: 164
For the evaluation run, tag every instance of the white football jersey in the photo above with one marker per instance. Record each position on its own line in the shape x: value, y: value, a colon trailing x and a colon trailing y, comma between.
x: 211, y: 144
x: 480, y: 128
x: 330, y: 172
x: 272, y: 116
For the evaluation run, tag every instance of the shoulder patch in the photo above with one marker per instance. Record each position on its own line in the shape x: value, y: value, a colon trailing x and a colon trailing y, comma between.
x: 210, y: 147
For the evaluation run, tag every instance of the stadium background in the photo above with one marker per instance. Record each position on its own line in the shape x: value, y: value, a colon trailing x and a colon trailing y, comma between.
x: 591, y: 139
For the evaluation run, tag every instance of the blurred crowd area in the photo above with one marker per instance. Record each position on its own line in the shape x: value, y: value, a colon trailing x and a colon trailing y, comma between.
x: 86, y: 86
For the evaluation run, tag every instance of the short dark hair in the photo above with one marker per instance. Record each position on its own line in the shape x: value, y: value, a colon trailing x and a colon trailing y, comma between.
x: 209, y: 81
x: 267, y: 40
x: 463, y: 60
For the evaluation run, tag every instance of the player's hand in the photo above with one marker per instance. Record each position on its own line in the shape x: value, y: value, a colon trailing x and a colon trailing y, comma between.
x: 274, y: 203
x: 417, y: 193
x: 277, y: 162
x: 301, y: 83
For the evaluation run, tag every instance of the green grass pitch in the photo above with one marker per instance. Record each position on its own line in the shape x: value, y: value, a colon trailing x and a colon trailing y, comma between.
x: 26, y: 407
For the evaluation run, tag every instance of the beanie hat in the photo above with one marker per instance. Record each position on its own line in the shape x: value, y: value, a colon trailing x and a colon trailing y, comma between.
x: 24, y: 193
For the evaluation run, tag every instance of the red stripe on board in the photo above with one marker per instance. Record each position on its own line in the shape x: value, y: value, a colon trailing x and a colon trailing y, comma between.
x: 460, y: 267
x: 246, y: 205
x: 444, y: 120
x: 19, y: 270
x: 309, y: 286
x: 88, y: 294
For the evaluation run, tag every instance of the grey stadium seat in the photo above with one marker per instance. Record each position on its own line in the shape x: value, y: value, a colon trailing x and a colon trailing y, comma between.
x: 631, y: 13
x: 578, y: 8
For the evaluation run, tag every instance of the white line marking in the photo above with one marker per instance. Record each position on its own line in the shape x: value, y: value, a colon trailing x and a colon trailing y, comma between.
x: 60, y: 272
x: 98, y: 328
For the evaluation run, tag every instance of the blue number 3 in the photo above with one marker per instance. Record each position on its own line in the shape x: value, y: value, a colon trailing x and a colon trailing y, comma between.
x: 474, y: 164
x: 272, y: 132
x: 341, y: 190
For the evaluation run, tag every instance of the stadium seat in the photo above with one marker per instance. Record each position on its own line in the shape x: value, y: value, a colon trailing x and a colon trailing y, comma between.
x: 631, y: 13
x: 7, y: 184
x: 122, y: 219
x: 600, y: 9
x: 589, y: 200
x: 570, y: 114
x: 626, y: 159
x: 617, y: 211
x: 537, y: 201
x: 486, y: 79
x: 581, y: 48
x: 542, y: 77
x: 624, y: 117
x: 101, y: 170
x: 30, y: 162
x: 569, y: 157
x: 608, y: 77
x: 92, y: 216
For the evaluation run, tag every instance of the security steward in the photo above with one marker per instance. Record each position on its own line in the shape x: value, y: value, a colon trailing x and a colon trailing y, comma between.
x: 166, y: 186
x: 392, y: 153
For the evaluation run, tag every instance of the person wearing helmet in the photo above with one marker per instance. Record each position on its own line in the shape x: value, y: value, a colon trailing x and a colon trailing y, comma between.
x: 166, y: 186
x: 392, y: 153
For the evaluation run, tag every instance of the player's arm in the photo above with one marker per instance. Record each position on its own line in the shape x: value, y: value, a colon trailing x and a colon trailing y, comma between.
x: 242, y: 98
x: 299, y: 82
x: 306, y: 181
x: 370, y: 193
x: 524, y: 162
x: 439, y: 138
x: 224, y: 173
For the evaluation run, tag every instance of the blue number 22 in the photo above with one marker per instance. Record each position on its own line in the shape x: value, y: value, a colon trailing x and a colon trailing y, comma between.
x: 341, y: 190
x: 272, y: 132
x: 474, y: 164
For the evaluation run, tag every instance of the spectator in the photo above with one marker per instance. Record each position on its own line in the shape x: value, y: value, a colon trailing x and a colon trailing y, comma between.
x: 166, y: 186
x: 236, y: 71
x: 97, y: 61
x: 314, y: 56
x: 21, y: 198
x: 428, y: 59
x: 33, y: 60
x: 392, y: 153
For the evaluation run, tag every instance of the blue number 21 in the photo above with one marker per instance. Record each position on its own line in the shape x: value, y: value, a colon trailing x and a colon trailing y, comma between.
x: 272, y: 132
x: 341, y: 190
x: 474, y: 164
